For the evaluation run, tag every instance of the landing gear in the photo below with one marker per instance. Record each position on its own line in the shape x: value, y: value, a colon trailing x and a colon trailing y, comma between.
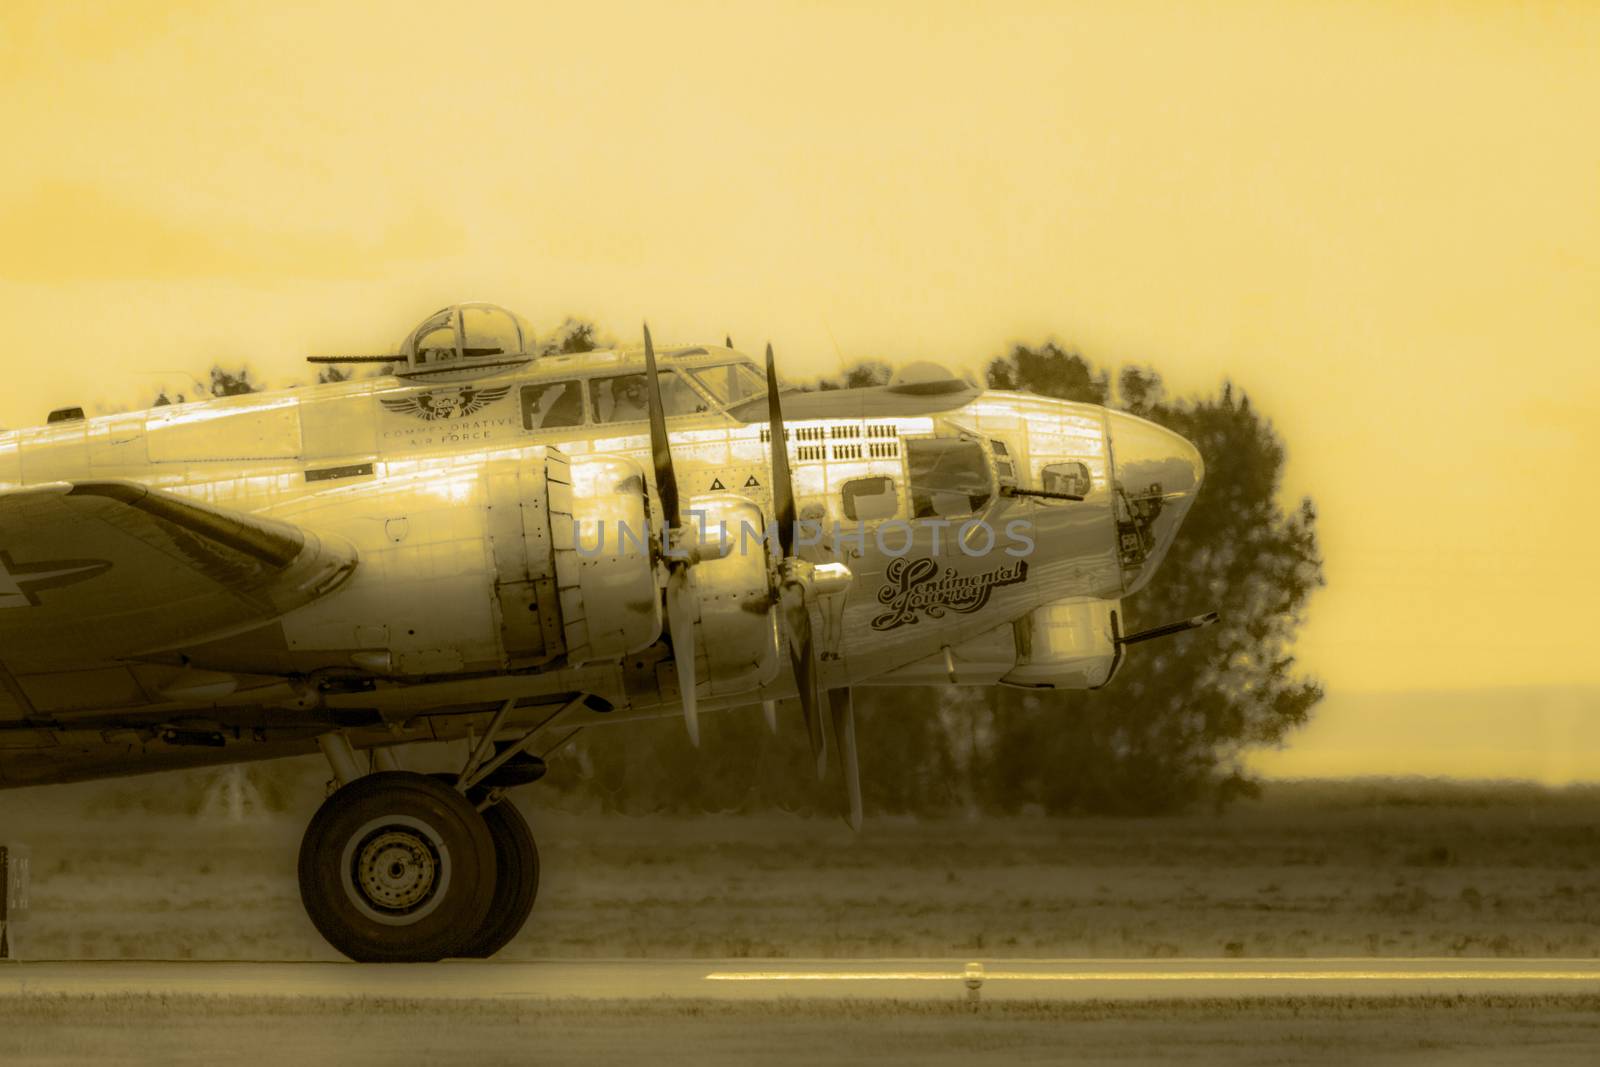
x: 399, y: 867
x: 516, y: 881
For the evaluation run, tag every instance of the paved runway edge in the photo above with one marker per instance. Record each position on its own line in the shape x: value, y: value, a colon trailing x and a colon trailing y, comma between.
x: 743, y: 979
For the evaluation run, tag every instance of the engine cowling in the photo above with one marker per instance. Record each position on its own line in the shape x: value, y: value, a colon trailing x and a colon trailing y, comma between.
x: 544, y: 559
x: 573, y: 571
x: 736, y: 633
x: 490, y: 568
x: 575, y: 574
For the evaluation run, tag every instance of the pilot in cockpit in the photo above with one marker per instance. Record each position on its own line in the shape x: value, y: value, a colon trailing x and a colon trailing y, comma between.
x: 628, y: 399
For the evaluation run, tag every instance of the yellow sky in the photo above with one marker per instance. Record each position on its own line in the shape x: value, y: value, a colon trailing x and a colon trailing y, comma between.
x: 1382, y: 219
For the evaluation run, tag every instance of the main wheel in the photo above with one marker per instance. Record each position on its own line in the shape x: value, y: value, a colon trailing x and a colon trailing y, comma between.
x: 397, y: 867
x: 516, y: 881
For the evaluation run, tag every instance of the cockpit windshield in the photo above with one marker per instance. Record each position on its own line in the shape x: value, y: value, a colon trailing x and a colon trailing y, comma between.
x: 623, y: 397
x: 731, y: 382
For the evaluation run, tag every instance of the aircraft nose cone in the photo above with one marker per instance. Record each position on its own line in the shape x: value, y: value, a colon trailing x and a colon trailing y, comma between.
x: 1147, y: 455
x: 1155, y: 474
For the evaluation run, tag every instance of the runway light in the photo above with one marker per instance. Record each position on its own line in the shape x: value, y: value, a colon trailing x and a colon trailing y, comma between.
x: 974, y: 982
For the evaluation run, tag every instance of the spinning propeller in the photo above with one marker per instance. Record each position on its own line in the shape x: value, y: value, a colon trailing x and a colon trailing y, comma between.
x: 682, y: 605
x: 796, y: 583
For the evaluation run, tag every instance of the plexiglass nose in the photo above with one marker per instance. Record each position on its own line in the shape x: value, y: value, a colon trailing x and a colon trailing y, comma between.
x: 1155, y: 476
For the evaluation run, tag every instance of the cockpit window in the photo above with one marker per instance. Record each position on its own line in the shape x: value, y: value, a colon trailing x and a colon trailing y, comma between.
x: 623, y: 397
x: 731, y: 382
x: 949, y: 476
x: 550, y: 405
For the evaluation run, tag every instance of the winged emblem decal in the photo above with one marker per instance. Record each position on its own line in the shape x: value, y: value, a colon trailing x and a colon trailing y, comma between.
x: 19, y: 582
x: 436, y: 404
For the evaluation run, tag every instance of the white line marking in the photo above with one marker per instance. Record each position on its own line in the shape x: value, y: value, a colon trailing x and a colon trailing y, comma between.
x: 1152, y: 976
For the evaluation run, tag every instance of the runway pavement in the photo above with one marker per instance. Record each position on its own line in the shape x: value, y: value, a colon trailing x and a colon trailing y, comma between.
x: 920, y: 979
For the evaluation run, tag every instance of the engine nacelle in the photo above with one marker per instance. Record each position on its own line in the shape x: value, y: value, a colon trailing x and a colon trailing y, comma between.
x: 526, y: 562
x: 736, y: 634
x: 573, y: 568
x: 496, y: 567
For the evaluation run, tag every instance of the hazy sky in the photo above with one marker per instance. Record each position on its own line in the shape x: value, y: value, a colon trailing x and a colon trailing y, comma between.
x: 1382, y: 220
x: 1546, y: 734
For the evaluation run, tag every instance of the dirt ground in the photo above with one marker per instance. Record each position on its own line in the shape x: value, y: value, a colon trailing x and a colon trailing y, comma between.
x: 1314, y: 870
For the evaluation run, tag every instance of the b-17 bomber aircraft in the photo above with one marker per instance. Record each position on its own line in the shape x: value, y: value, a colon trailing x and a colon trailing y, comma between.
x: 505, y: 548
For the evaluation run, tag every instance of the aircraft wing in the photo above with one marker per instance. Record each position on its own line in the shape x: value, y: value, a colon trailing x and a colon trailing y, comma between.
x: 99, y: 570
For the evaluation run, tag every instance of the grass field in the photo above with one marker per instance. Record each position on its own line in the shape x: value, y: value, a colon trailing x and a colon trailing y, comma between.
x: 1302, y: 1030
x: 1349, y: 869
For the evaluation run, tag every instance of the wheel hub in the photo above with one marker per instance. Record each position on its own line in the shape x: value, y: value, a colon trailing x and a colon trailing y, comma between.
x: 396, y: 869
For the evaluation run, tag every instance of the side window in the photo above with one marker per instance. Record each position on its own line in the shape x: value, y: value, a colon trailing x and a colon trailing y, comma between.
x: 1071, y: 477
x: 948, y: 477
x: 622, y: 398
x: 1003, y: 464
x: 549, y: 405
x: 869, y: 499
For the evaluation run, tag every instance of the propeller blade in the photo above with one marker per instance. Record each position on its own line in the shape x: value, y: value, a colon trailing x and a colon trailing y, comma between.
x: 727, y: 341
x: 769, y: 711
x: 681, y: 611
x: 797, y: 621
x: 660, y: 447
x: 783, y: 508
x: 842, y: 714
x: 681, y: 605
x: 792, y: 596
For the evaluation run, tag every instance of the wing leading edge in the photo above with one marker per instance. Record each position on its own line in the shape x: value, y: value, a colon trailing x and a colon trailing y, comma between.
x: 93, y: 571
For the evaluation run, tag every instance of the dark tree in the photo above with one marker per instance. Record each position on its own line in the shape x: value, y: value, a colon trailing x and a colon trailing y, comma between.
x: 573, y: 335
x: 1049, y: 370
x: 226, y: 382
x: 1173, y: 726
x: 860, y: 374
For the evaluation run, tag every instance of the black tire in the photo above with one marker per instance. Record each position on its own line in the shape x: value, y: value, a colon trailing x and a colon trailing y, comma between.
x: 397, y: 867
x: 516, y: 883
